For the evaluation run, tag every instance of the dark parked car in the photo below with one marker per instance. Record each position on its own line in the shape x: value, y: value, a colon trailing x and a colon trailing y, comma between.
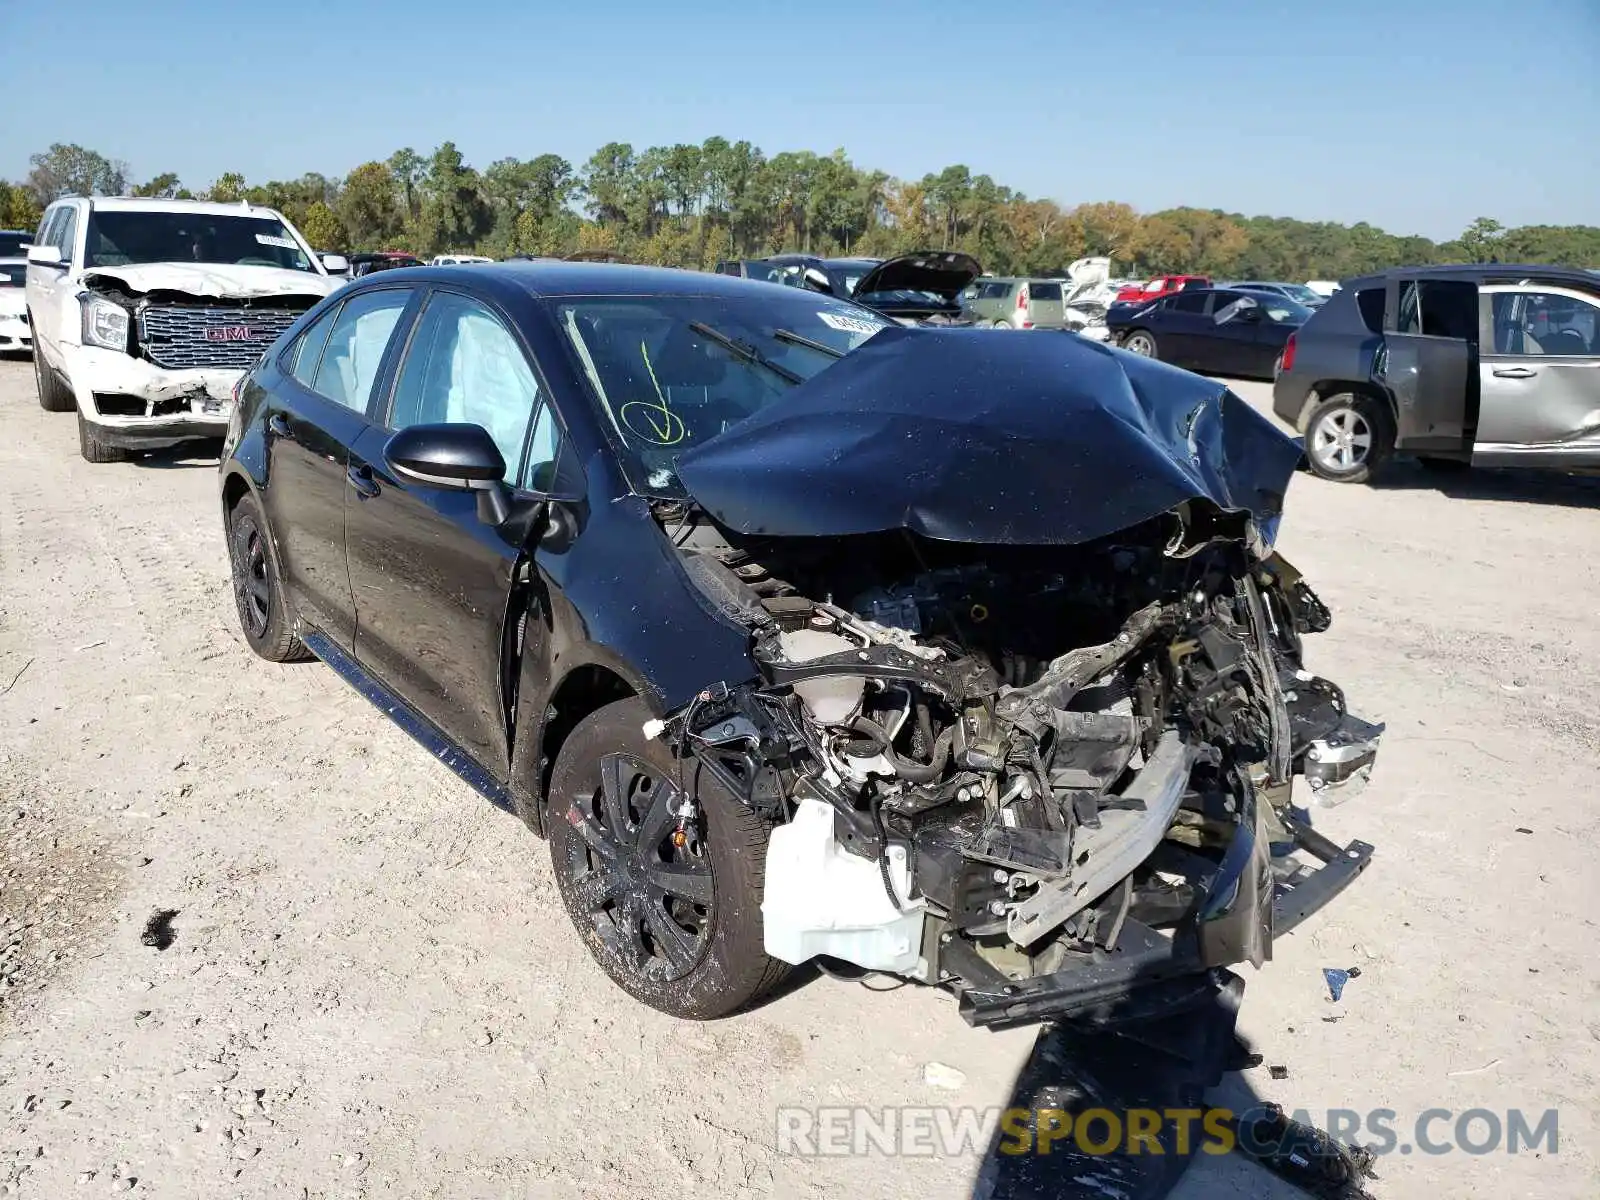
x: 383, y: 260
x: 1298, y: 292
x: 924, y: 288
x: 1218, y: 330
x: 1487, y: 365
x: 801, y: 633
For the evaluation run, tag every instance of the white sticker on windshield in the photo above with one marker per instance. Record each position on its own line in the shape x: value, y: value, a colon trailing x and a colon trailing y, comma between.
x: 270, y: 239
x: 846, y: 324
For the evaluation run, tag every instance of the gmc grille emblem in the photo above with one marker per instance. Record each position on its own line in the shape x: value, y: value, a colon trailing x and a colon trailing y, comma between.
x: 230, y: 333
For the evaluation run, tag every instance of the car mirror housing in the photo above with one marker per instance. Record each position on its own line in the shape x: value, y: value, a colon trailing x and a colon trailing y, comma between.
x: 335, y: 264
x: 44, y: 256
x: 456, y: 455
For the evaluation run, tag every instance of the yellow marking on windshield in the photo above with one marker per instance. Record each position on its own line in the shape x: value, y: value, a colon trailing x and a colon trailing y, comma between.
x: 666, y: 428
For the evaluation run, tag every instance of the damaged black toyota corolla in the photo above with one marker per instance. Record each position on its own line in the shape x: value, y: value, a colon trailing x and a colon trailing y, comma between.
x: 804, y: 635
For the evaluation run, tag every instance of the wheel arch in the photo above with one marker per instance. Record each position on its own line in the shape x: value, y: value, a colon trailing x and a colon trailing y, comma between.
x: 584, y: 689
x: 1326, y: 389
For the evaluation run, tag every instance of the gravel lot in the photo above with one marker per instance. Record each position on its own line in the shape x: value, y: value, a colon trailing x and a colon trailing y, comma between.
x: 373, y: 990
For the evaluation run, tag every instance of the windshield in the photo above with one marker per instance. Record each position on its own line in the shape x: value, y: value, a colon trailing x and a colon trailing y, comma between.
x: 12, y: 242
x: 130, y: 236
x: 1301, y: 293
x: 670, y: 372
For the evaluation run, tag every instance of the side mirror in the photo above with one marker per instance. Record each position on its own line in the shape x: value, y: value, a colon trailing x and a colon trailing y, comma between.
x: 335, y: 264
x: 44, y: 256
x: 816, y: 280
x: 456, y: 456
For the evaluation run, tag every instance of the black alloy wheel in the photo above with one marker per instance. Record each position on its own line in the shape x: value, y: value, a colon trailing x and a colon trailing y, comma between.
x: 665, y: 895
x: 642, y: 882
x: 251, y: 590
x: 257, y: 586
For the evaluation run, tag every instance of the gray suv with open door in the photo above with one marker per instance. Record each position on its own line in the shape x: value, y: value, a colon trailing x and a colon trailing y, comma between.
x: 1488, y: 365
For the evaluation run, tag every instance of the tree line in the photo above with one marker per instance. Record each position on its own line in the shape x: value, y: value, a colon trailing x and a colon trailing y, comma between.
x: 689, y: 206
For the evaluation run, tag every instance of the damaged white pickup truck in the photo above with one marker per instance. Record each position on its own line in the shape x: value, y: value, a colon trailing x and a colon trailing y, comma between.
x: 146, y: 312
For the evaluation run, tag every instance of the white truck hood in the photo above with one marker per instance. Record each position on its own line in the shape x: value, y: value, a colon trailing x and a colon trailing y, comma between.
x: 214, y: 279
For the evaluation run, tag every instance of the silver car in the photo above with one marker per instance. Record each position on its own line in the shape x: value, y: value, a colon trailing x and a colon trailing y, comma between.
x: 1484, y: 365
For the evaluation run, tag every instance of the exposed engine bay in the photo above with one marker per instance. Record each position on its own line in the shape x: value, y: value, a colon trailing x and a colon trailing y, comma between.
x: 1050, y: 778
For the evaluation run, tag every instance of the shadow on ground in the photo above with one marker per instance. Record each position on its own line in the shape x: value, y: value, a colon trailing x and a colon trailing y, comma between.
x: 207, y: 453
x: 1168, y: 1057
x: 1516, y: 485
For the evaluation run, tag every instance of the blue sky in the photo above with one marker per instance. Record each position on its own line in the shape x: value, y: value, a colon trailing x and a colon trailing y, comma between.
x: 1417, y: 116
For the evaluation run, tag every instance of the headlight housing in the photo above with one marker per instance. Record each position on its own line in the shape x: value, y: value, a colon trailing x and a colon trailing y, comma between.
x: 105, y: 323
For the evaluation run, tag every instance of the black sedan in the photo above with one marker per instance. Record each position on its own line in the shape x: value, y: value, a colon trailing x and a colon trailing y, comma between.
x: 801, y: 633
x: 1217, y: 330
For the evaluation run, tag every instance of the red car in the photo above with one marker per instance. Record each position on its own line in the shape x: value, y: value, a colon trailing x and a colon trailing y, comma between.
x: 1161, y: 285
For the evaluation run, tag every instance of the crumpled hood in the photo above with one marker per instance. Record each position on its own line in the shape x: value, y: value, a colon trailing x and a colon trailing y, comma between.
x: 969, y: 437
x: 214, y: 279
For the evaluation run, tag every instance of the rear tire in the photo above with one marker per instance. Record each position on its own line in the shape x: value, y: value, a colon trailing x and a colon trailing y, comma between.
x: 695, y: 953
x: 94, y: 449
x: 53, y: 397
x: 258, y: 586
x: 1143, y: 343
x: 1348, y: 437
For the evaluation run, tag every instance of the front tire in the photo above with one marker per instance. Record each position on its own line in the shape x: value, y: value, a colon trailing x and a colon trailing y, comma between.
x: 258, y: 586
x: 53, y: 397
x: 94, y: 449
x: 673, y: 916
x: 1143, y: 343
x: 1348, y: 437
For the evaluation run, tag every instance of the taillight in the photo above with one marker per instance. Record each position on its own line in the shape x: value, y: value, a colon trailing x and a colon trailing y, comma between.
x: 1022, y: 298
x: 1288, y: 354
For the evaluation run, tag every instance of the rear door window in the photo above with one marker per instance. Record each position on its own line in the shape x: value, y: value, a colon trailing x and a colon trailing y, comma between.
x: 307, y: 352
x: 356, y: 345
x: 1445, y: 308
x: 1188, y: 302
x: 1041, y: 290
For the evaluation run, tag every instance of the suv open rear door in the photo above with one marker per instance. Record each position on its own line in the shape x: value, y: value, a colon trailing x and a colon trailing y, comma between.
x: 1429, y: 362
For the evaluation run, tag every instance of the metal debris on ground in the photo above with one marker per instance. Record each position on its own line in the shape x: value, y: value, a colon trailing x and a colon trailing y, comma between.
x: 1278, y: 1071
x: 1302, y: 1155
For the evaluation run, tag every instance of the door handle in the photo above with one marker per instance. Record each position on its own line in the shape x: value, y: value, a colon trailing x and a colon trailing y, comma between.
x: 277, y: 426
x: 361, y: 479
x: 1514, y: 373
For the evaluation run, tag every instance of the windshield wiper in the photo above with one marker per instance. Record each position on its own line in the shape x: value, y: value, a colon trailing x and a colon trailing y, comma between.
x: 795, y: 339
x: 744, y: 351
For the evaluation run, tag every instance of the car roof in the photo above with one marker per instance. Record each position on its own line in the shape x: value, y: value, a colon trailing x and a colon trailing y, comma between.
x: 1481, y: 273
x: 158, y: 204
x: 545, y: 280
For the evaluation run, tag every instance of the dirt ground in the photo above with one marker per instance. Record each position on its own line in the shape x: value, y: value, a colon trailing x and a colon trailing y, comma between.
x: 371, y: 989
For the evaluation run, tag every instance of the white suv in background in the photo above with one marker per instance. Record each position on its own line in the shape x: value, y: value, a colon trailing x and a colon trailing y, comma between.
x: 145, y: 313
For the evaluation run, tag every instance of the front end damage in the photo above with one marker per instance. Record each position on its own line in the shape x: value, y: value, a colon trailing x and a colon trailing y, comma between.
x: 1031, y: 704
x: 1049, y: 779
x: 156, y: 362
